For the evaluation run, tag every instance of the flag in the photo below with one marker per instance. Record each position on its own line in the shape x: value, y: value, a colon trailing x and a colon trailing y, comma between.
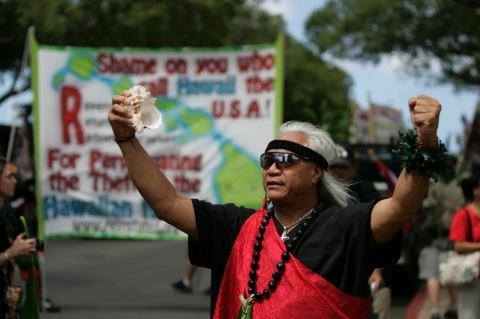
x: 386, y: 172
x: 30, y: 308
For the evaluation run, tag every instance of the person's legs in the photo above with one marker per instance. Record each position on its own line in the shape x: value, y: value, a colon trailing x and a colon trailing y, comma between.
x: 468, y: 302
x: 452, y: 293
x: 382, y: 302
x: 441, y: 244
x: 185, y: 284
x: 452, y: 312
x: 428, y: 266
x: 190, y: 272
x: 433, y: 292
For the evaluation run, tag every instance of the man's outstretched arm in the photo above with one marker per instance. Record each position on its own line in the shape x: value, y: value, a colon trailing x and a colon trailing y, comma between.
x: 152, y: 184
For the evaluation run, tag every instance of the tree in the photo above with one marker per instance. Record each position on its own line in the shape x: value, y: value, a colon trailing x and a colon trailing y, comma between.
x: 117, y: 23
x: 422, y: 31
x: 472, y: 3
x: 316, y: 91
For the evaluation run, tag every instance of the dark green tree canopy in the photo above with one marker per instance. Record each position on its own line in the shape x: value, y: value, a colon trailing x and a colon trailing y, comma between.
x: 424, y: 31
x: 120, y: 23
x: 316, y: 91
x: 140, y: 23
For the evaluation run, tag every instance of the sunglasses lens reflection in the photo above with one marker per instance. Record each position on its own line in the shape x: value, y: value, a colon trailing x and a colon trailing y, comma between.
x: 281, y: 160
x: 265, y: 161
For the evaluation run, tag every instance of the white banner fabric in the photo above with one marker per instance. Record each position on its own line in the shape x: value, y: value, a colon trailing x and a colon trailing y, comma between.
x: 219, y: 110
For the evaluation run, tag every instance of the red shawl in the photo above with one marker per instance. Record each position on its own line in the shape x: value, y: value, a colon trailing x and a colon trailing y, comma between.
x: 300, y: 293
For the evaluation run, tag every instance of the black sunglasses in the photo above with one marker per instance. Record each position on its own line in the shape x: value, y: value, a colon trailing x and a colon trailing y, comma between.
x: 281, y: 159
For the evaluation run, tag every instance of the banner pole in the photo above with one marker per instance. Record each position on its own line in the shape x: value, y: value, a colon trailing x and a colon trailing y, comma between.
x: 33, y: 47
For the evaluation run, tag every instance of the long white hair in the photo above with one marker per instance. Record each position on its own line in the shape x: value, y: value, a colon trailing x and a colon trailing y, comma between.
x: 330, y: 191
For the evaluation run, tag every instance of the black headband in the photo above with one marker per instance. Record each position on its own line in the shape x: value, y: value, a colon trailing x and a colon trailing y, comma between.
x: 299, y: 149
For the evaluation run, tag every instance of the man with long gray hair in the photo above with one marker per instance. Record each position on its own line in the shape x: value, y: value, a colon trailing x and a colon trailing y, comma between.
x: 308, y: 252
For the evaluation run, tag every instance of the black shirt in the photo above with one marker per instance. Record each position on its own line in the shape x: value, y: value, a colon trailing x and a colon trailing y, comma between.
x: 337, y: 246
x: 10, y: 227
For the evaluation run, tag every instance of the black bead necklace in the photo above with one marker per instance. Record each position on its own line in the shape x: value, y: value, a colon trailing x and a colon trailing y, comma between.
x: 257, y: 247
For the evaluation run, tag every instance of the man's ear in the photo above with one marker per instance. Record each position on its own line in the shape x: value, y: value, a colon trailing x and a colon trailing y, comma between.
x: 317, y: 174
x: 476, y: 191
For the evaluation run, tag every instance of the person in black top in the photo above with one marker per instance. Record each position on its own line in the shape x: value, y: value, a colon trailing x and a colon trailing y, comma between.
x: 345, y: 169
x: 12, y: 242
x: 305, y: 253
x: 23, y: 203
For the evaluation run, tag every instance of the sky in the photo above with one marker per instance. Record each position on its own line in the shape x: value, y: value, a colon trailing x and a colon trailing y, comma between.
x: 386, y: 83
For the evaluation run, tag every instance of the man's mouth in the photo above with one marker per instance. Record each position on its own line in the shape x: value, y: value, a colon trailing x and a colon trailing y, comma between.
x: 271, y: 183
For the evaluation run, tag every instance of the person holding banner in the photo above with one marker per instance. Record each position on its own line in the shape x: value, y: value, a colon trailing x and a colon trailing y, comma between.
x: 308, y: 252
x: 9, y: 248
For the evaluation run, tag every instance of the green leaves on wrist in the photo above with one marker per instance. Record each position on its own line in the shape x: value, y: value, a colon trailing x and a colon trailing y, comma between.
x: 429, y: 163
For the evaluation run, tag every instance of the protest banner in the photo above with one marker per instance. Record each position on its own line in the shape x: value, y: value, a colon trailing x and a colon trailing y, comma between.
x: 220, y: 109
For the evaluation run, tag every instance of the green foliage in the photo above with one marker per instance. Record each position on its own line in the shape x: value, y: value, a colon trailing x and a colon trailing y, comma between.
x: 316, y: 91
x: 253, y: 26
x: 422, y: 31
x: 433, y: 164
x: 12, y: 36
x: 115, y: 23
x: 118, y: 23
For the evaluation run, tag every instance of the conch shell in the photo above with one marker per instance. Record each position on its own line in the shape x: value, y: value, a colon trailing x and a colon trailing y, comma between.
x: 143, y: 110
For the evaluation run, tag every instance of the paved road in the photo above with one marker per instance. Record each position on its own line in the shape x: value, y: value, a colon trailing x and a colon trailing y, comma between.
x: 121, y: 279
x: 128, y: 279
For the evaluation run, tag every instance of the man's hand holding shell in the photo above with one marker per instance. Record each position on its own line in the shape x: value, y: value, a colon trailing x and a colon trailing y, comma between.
x: 132, y: 111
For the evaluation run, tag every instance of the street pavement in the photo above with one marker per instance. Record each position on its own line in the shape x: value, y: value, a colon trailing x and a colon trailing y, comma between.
x: 424, y: 306
x: 122, y: 279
